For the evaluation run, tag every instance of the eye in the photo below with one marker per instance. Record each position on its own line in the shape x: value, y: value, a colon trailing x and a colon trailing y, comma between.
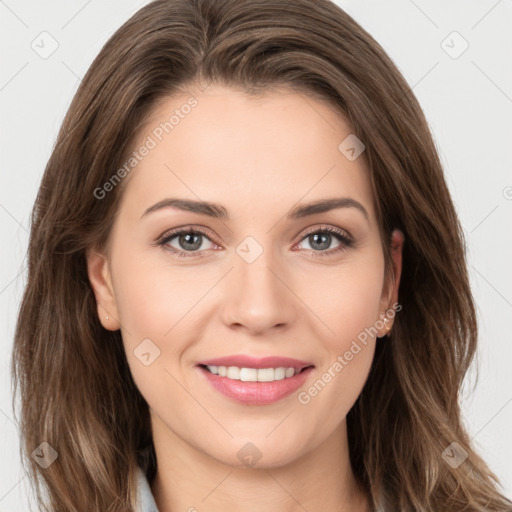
x: 189, y: 241
x: 321, y: 238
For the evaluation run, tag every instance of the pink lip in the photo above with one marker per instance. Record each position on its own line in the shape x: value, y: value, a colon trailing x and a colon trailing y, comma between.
x: 243, y: 361
x: 256, y: 393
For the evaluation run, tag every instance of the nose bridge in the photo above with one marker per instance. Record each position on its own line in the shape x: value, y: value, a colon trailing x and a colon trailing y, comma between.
x: 253, y: 270
x: 257, y: 296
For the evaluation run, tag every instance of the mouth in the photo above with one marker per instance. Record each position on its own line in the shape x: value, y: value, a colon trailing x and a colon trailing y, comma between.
x: 255, y: 381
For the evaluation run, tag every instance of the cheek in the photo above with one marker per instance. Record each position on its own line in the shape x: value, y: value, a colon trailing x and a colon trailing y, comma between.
x: 158, y: 305
x: 153, y: 297
x: 348, y: 303
x: 347, y: 299
x: 152, y: 306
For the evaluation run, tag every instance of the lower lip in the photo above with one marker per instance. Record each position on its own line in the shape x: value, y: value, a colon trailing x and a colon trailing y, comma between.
x: 256, y: 393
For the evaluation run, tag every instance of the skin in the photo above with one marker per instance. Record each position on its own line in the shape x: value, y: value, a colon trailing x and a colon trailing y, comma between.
x: 259, y: 157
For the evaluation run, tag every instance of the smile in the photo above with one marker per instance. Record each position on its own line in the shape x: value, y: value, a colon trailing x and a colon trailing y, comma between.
x: 262, y: 386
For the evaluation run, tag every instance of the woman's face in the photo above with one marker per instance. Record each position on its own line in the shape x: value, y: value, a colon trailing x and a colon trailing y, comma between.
x: 258, y: 277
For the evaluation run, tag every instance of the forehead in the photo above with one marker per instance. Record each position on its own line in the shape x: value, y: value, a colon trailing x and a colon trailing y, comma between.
x: 251, y: 152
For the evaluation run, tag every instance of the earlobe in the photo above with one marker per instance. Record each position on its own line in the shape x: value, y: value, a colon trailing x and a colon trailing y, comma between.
x: 100, y: 278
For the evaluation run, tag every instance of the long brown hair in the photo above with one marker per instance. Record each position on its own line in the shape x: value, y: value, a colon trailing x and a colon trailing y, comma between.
x: 76, y: 390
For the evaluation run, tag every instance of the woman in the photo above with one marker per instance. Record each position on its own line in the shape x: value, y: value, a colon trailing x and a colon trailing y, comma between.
x: 252, y: 369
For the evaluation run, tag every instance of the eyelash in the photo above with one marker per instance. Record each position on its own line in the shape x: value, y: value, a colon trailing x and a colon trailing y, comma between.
x: 346, y: 241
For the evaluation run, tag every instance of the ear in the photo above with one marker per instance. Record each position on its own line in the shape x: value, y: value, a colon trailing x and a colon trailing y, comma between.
x: 390, y: 291
x: 101, y: 281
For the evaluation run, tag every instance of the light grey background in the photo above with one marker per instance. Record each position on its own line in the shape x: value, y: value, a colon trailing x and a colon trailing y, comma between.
x: 467, y: 101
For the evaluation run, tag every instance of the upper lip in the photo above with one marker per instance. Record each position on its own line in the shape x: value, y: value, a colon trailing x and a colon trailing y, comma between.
x: 245, y: 361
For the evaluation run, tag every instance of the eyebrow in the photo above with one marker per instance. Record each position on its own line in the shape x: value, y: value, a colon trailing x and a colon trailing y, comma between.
x: 218, y: 211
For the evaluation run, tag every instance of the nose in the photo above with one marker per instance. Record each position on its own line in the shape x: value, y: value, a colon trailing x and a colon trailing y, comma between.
x: 257, y: 296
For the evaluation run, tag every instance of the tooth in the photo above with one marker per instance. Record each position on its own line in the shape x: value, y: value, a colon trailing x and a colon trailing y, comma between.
x: 279, y: 373
x: 253, y: 374
x: 290, y: 372
x: 213, y: 369
x: 249, y: 374
x: 233, y: 372
x: 265, y: 374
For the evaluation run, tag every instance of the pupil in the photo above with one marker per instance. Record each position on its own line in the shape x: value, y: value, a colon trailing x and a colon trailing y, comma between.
x: 326, y: 238
x: 185, y: 239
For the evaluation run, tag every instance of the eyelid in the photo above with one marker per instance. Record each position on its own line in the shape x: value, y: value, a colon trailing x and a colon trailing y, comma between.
x: 328, y: 228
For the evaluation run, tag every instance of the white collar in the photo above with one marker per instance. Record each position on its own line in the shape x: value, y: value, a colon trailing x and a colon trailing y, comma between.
x: 145, y: 498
